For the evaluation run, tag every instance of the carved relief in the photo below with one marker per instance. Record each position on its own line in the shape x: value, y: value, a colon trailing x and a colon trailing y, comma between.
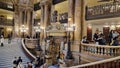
x: 55, y: 27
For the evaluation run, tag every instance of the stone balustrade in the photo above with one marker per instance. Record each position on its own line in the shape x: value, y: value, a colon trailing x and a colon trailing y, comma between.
x: 101, y: 49
x: 27, y: 52
x: 31, y: 43
x: 108, y: 63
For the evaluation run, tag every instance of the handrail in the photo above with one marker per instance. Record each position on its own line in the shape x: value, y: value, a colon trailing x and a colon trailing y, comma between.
x: 96, y: 63
x: 101, y: 49
x: 96, y: 45
x: 107, y: 63
x: 27, y: 51
x: 31, y: 43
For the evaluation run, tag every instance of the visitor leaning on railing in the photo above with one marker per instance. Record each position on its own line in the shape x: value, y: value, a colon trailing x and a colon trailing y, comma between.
x: 116, y: 41
x: 84, y: 40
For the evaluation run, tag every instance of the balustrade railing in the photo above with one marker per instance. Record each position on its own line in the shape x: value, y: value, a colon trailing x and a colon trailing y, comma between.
x: 101, y: 49
x: 28, y: 53
x: 106, y: 10
x: 6, y: 22
x: 6, y: 6
x: 108, y: 63
x: 31, y: 43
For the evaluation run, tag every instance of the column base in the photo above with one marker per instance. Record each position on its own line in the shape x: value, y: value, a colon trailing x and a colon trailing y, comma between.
x: 69, y: 62
x: 69, y: 55
x: 48, y: 59
x: 38, y: 53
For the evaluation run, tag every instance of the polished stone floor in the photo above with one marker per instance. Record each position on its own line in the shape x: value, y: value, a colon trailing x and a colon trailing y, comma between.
x: 9, y: 51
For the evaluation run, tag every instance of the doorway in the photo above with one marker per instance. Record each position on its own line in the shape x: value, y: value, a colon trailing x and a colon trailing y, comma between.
x: 106, y: 32
x: 89, y: 33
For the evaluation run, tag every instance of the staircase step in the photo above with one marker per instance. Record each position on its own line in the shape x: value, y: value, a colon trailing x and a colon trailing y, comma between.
x: 9, y: 51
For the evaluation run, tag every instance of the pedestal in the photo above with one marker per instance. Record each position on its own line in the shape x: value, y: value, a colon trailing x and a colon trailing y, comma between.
x: 69, y: 62
x: 48, y: 59
x: 38, y: 53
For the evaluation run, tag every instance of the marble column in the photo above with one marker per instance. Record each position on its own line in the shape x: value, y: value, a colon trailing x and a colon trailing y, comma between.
x: 52, y: 11
x: 71, y: 7
x: 42, y: 21
x: 33, y: 17
x: 20, y: 21
x: 16, y: 28
x: 71, y: 10
x: 84, y: 24
x: 15, y: 17
x: 17, y: 21
x: 79, y: 23
x: 30, y: 21
x: 47, y: 16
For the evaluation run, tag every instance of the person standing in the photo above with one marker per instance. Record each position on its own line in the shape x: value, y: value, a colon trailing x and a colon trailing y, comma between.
x: 2, y: 40
x: 15, y: 62
x: 19, y: 60
x: 9, y: 38
x: 19, y: 63
x: 96, y: 36
x: 84, y: 40
x: 110, y: 36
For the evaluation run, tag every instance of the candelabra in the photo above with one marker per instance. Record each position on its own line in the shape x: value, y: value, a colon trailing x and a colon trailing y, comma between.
x: 23, y: 29
x: 38, y: 29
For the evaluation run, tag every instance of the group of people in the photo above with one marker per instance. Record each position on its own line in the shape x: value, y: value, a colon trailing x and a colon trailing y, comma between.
x: 17, y: 62
x: 39, y: 61
x: 84, y: 40
x: 114, y: 38
x: 99, y: 38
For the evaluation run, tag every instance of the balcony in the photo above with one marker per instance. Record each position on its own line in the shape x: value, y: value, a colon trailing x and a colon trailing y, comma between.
x: 6, y: 22
x: 37, y: 5
x: 6, y: 6
x: 107, y: 10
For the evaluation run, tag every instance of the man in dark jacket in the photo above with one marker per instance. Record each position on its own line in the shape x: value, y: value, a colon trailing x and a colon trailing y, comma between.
x: 102, y: 40
x: 116, y: 41
x: 15, y: 62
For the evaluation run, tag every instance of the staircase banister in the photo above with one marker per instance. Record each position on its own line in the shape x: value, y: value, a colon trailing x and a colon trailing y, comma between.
x: 97, y: 62
x: 26, y: 50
